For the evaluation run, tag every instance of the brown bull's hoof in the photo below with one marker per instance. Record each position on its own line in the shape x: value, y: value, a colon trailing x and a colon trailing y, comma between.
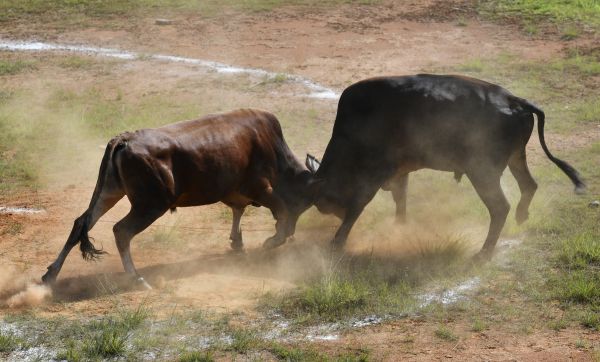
x: 273, y: 242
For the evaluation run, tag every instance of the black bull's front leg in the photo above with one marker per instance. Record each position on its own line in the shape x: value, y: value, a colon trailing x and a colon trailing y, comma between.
x: 361, y: 197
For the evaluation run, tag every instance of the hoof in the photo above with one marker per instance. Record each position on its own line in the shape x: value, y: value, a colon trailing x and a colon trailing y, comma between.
x: 142, y: 283
x: 49, y: 278
x: 336, y: 245
x: 482, y: 257
x: 273, y: 242
x: 237, y: 246
x: 521, y: 217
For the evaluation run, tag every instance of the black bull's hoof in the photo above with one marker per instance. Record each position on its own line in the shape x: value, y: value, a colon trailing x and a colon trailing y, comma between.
x: 50, y: 276
x: 482, y: 257
x: 273, y: 242
x: 142, y: 283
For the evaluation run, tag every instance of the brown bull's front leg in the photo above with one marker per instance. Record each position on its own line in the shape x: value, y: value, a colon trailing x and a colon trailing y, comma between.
x: 273, y: 202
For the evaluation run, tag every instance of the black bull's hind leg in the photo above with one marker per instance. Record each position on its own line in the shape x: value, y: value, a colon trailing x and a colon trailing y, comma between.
x: 399, y: 188
x: 527, y: 185
x: 487, y: 184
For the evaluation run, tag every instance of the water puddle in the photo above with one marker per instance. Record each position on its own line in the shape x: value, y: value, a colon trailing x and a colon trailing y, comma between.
x: 9, y: 210
x: 315, y: 90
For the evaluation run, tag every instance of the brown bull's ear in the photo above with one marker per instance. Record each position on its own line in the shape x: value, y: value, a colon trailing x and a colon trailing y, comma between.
x: 312, y: 163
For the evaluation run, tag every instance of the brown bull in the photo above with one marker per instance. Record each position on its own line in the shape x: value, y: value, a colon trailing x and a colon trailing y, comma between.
x: 389, y: 126
x: 238, y: 158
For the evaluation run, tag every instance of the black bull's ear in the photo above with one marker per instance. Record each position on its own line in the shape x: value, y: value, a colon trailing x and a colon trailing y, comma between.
x: 312, y: 163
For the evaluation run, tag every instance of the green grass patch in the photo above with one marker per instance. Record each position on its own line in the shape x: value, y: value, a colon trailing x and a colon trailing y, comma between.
x: 478, y: 325
x: 81, y: 10
x: 9, y: 342
x: 333, y: 297
x: 446, y: 334
x: 580, y: 251
x: 591, y: 319
x: 243, y: 340
x: 304, y: 354
x: 558, y: 11
x: 579, y: 287
x: 11, y: 67
x: 75, y: 62
x: 111, y: 341
x: 196, y: 356
x: 104, y: 338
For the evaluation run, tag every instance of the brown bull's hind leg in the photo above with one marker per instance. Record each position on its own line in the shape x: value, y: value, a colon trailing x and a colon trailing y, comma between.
x: 487, y: 185
x: 236, y: 231
x: 132, y: 224
x: 527, y: 185
x: 79, y: 233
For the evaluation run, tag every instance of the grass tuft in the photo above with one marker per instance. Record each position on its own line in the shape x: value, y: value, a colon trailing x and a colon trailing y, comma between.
x: 243, y: 340
x: 446, y: 334
x: 196, y: 356
x: 478, y: 325
x: 294, y: 354
x: 579, y: 287
x: 111, y: 341
x: 591, y: 319
x: 580, y: 251
x: 333, y: 296
x: 9, y: 343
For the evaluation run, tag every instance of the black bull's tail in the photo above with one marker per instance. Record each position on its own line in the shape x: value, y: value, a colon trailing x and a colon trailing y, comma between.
x: 564, y: 166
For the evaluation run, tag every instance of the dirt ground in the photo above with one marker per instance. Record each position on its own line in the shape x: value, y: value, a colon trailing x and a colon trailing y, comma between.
x: 334, y: 48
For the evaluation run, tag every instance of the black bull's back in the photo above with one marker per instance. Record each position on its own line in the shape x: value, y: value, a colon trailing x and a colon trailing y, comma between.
x: 395, y: 125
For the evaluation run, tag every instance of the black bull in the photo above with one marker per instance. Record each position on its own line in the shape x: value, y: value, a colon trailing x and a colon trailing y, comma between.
x: 387, y: 127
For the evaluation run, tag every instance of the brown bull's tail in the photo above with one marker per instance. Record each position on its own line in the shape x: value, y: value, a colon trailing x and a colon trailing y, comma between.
x: 564, y: 166
x: 79, y: 233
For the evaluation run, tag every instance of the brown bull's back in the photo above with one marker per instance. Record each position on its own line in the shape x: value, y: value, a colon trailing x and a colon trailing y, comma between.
x: 206, y: 160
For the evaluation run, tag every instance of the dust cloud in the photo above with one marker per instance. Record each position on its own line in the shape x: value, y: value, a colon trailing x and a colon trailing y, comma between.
x: 34, y: 294
x: 19, y: 291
